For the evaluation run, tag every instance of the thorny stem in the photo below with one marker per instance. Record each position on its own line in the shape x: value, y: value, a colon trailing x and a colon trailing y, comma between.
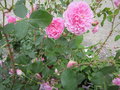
x: 5, y: 3
x: 12, y: 2
x: 112, y: 29
x: 9, y: 48
x: 2, y: 5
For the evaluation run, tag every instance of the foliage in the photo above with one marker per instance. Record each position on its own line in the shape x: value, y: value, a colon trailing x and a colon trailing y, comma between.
x: 42, y: 59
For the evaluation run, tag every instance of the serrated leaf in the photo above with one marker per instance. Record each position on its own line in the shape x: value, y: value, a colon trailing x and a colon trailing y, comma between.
x: 108, y: 70
x: 40, y: 18
x: 36, y: 67
x: 21, y: 29
x: 109, y: 18
x: 80, y: 77
x: 113, y: 88
x: 19, y: 2
x: 68, y: 80
x: 79, y: 40
x: 9, y: 28
x: 23, y: 59
x: 117, y: 56
x: 116, y: 12
x: 117, y: 37
x: 104, y: 18
x: 20, y: 10
x: 0, y: 35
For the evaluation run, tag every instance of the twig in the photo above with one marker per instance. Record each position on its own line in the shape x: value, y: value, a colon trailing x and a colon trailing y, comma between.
x: 10, y: 51
x: 112, y: 29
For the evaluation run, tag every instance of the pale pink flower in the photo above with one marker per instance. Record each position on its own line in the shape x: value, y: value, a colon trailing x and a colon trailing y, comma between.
x: 78, y: 17
x: 11, y: 19
x: 71, y: 64
x: 1, y: 63
x: 116, y: 81
x: 56, y: 28
x: 38, y: 76
x: 94, y: 23
x: 19, y: 72
x: 42, y: 58
x: 11, y: 71
x: 95, y: 29
x: 45, y: 86
x: 117, y: 3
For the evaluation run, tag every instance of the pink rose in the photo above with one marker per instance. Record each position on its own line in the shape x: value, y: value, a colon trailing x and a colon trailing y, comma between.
x: 116, y: 81
x: 56, y: 28
x: 117, y: 3
x: 94, y: 23
x: 19, y: 72
x: 42, y: 58
x: 71, y: 64
x: 45, y: 86
x: 38, y: 76
x: 95, y: 29
x: 1, y: 63
x: 78, y: 17
x: 11, y: 19
x: 11, y: 71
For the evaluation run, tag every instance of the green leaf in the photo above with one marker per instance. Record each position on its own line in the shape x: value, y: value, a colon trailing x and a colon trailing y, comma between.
x: 116, y: 12
x: 117, y: 37
x: 103, y: 76
x: 79, y: 40
x: 113, y: 88
x: 109, y: 18
x: 19, y: 2
x: 23, y: 59
x: 41, y: 18
x: 36, y: 67
x: 100, y: 79
x: 117, y: 56
x: 9, y: 28
x: 20, y: 10
x: 108, y: 70
x: 0, y: 35
x: 80, y: 78
x: 21, y: 29
x: 68, y: 80
x: 104, y: 18
x: 2, y: 87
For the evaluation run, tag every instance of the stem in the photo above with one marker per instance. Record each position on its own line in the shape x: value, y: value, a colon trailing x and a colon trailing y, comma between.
x: 5, y: 3
x: 112, y: 29
x: 112, y: 3
x: 12, y: 3
x: 2, y: 5
x: 117, y: 25
x: 10, y: 51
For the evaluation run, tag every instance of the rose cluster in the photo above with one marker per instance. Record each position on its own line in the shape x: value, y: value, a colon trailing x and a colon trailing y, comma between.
x: 77, y: 19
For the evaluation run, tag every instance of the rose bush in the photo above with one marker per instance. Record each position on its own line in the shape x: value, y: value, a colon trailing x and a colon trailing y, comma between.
x: 41, y: 46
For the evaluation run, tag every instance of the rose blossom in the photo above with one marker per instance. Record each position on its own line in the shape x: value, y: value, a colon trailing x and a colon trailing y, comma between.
x: 95, y: 29
x: 11, y: 71
x: 78, y: 17
x: 1, y: 63
x: 116, y: 81
x: 42, y: 58
x: 71, y: 64
x: 38, y: 76
x: 45, y: 86
x: 117, y: 3
x: 19, y: 72
x: 94, y: 23
x: 11, y: 19
x: 55, y: 29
